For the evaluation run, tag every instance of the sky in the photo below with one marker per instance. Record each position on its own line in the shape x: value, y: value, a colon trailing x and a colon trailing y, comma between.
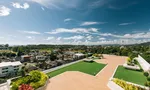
x: 77, y: 22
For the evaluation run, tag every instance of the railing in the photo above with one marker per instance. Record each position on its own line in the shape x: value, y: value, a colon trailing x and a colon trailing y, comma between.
x: 144, y: 64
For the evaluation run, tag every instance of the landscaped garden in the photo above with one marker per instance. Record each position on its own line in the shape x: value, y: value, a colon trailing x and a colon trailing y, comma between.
x: 130, y: 75
x: 34, y: 80
x: 91, y: 68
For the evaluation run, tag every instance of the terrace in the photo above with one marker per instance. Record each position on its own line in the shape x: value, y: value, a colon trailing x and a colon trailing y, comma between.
x: 85, y: 75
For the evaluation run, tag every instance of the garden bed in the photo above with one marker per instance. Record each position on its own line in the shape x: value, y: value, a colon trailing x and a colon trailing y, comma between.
x: 35, y: 80
x: 91, y: 68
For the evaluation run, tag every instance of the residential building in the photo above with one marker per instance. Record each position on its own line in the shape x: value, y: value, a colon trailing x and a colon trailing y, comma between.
x: 9, y: 67
x: 41, y: 58
x: 25, y: 58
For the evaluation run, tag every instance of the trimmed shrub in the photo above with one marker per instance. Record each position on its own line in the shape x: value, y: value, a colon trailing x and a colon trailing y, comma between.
x: 127, y: 86
x: 146, y: 74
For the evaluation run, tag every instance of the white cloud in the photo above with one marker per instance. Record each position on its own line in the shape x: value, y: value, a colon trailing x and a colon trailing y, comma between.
x: 18, y: 5
x: 89, y: 37
x: 30, y: 32
x: 124, y: 24
x: 4, y: 11
x: 78, y: 37
x: 67, y: 19
x: 30, y: 37
x: 43, y: 8
x: 73, y: 30
x: 59, y: 38
x: 50, y: 38
x: 102, y: 38
x: 91, y: 23
x: 88, y: 23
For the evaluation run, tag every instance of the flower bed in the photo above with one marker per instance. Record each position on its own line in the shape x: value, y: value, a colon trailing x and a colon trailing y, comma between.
x: 35, y: 79
x: 127, y: 86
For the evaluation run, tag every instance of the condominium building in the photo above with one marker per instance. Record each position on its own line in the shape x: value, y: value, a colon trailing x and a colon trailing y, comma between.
x: 9, y: 67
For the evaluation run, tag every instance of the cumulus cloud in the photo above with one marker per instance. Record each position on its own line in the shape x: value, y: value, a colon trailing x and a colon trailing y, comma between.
x: 73, y: 30
x: 18, y: 5
x: 4, y: 11
x: 89, y: 37
x: 30, y: 32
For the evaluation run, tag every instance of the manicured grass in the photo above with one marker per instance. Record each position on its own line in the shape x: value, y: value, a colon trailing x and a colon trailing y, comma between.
x: 90, y: 68
x: 130, y: 75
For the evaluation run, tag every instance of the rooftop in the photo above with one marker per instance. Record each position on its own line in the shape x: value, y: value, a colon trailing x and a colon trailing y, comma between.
x: 5, y: 64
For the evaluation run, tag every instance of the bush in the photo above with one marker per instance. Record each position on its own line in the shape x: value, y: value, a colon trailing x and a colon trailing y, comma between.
x: 35, y: 76
x: 129, y: 60
x: 35, y: 79
x: 25, y: 87
x: 146, y: 74
x: 2, y: 80
x: 40, y: 83
x: 148, y: 78
x: 127, y: 86
x: 147, y: 83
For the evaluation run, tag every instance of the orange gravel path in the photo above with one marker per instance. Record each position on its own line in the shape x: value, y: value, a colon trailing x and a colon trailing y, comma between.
x: 74, y: 80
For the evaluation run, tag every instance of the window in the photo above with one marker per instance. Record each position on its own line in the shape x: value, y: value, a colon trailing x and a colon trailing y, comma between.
x: 4, y: 71
x: 4, y: 68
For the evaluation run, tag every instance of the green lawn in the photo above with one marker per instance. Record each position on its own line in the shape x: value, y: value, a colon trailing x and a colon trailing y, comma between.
x: 90, y: 68
x: 130, y: 75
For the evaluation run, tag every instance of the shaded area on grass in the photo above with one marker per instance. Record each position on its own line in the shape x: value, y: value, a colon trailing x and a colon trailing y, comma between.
x: 91, y: 68
x: 136, y: 77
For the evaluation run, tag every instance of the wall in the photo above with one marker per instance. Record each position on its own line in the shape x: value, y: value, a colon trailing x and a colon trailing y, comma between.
x: 144, y: 64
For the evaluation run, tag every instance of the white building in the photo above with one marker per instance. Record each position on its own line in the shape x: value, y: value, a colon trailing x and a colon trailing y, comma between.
x: 9, y: 67
x: 41, y: 58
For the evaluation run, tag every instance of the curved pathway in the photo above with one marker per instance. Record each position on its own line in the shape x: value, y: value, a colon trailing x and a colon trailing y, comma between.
x: 74, y: 80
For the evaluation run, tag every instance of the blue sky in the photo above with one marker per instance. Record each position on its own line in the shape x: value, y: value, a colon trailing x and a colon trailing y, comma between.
x: 74, y: 21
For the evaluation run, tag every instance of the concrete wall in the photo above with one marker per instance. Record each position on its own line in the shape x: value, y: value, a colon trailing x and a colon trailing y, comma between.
x: 144, y: 64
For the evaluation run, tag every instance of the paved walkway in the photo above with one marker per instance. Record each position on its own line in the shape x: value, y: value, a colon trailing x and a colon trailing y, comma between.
x: 74, y: 80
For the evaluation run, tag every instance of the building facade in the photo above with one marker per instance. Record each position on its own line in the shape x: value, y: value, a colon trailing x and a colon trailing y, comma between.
x: 9, y: 67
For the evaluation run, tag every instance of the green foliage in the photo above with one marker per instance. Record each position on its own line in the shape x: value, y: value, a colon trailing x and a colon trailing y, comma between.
x: 2, y: 80
x: 35, y: 78
x: 129, y: 60
x: 41, y: 82
x: 146, y: 74
x: 148, y: 78
x: 147, y: 83
x: 126, y: 86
